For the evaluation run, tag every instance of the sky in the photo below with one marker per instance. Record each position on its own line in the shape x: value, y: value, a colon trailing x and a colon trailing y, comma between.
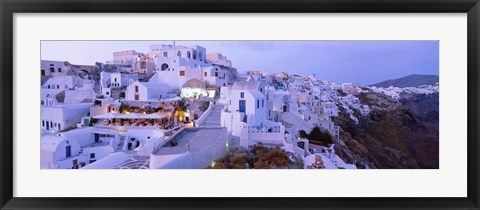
x: 360, y: 62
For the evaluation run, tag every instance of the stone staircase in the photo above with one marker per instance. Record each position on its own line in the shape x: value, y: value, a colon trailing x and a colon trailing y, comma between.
x: 120, y: 144
x: 213, y: 119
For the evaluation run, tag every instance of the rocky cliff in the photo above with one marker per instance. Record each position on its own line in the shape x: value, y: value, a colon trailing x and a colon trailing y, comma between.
x: 397, y: 133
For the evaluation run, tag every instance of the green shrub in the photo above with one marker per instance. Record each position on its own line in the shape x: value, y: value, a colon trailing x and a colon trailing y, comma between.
x: 317, y: 135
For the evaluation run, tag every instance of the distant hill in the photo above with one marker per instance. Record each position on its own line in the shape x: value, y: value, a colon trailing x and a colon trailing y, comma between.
x: 413, y: 80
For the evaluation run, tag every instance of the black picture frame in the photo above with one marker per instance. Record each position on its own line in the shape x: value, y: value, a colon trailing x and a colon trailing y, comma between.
x: 10, y: 7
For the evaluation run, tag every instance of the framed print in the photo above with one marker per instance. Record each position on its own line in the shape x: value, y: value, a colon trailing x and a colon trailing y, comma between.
x: 239, y: 105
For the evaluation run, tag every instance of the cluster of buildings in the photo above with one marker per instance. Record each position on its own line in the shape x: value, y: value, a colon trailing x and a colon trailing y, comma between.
x: 133, y: 111
x: 395, y: 92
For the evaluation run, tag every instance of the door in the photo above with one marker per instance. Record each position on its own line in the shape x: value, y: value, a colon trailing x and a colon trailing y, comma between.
x: 43, y: 72
x: 97, y: 138
x: 241, y: 104
x: 68, y: 149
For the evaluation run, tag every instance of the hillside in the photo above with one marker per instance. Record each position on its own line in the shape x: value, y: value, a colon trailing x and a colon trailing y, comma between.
x: 413, y: 80
x: 402, y: 136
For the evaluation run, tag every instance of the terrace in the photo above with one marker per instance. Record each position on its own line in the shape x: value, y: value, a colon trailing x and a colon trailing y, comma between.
x: 190, y: 140
x: 133, y: 120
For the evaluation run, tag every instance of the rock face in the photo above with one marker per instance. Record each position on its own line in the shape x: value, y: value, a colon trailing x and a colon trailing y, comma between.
x: 413, y: 80
x: 399, y: 133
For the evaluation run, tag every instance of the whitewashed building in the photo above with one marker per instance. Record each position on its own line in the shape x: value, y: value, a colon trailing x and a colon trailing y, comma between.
x: 145, y: 67
x: 58, y: 117
x: 245, y: 116
x: 67, y: 89
x: 77, y: 148
x: 126, y: 56
x: 147, y: 91
x: 114, y: 84
x: 219, y: 59
x: 143, y: 140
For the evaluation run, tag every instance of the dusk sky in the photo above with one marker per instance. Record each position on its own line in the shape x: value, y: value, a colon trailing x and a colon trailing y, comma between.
x: 362, y: 62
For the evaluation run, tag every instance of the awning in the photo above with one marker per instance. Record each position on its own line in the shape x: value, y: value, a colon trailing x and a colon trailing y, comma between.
x: 106, y: 116
x: 155, y: 116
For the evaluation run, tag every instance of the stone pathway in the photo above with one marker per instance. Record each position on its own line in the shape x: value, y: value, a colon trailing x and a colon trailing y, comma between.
x: 135, y: 163
x: 213, y: 119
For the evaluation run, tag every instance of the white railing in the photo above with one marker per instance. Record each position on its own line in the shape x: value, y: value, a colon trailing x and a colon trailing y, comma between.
x: 264, y: 129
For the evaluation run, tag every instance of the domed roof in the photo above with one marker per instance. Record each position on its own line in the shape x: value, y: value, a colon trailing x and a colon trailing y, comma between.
x: 194, y: 83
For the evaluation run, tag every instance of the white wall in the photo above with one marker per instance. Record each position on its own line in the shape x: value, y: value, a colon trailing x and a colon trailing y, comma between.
x: 142, y: 92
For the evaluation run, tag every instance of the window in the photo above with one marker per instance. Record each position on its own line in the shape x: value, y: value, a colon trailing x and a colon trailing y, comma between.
x: 165, y: 54
x: 263, y: 102
x: 92, y: 155
x: 188, y: 54
x: 216, y: 74
x: 242, y: 95
x: 59, y: 69
x: 137, y: 97
x: 52, y: 69
x: 179, y: 54
x: 194, y: 55
x: 205, y: 74
x: 182, y: 73
x: 43, y: 123
x: 48, y: 86
x: 164, y: 67
x: 136, y: 88
x: 58, y: 86
x: 230, y: 102
x: 200, y: 56
x: 258, y: 104
x: 143, y: 65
